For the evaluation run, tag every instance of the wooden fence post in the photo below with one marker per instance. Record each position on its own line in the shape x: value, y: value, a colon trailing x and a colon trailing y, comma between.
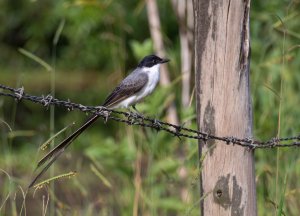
x: 222, y: 60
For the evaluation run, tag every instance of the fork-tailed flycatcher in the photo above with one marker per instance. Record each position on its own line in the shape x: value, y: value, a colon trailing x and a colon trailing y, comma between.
x: 136, y: 86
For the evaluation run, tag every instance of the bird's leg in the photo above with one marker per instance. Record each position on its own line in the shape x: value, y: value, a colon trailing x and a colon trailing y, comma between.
x: 131, y: 115
x: 138, y: 114
x: 133, y: 106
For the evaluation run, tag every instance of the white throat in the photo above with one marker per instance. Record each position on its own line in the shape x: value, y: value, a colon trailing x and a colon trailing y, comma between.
x: 152, y: 70
x: 153, y: 79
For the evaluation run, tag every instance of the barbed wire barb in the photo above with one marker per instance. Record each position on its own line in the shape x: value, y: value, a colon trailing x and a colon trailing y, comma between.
x: 137, y: 119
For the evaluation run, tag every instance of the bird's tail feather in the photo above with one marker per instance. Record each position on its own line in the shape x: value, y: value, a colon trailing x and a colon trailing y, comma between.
x: 56, y: 152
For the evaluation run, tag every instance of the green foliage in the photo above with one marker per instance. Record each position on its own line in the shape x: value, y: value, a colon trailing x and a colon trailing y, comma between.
x: 275, y: 84
x: 118, y: 166
x: 141, y: 49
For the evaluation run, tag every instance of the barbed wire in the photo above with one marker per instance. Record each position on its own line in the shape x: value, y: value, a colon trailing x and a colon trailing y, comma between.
x: 131, y: 118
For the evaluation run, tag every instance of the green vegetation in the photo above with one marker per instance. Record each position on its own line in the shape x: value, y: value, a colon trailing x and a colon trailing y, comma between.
x: 90, y: 45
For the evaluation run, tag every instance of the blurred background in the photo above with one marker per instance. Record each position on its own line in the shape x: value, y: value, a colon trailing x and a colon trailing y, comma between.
x: 80, y: 50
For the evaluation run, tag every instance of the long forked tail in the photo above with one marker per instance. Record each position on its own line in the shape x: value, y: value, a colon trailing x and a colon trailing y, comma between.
x: 60, y: 148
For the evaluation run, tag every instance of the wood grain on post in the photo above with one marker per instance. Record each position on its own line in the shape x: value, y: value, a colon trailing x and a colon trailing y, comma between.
x: 224, y: 106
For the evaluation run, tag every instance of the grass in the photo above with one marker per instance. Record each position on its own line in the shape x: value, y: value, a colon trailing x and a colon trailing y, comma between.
x: 107, y: 173
x: 111, y: 161
x: 102, y: 157
x: 123, y: 170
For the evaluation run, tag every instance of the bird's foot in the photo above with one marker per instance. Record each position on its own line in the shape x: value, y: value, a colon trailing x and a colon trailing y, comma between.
x: 104, y: 113
x: 137, y: 113
x: 132, y: 116
x: 156, y: 124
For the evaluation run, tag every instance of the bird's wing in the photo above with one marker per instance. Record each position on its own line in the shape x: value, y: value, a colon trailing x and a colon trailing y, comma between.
x: 129, y: 86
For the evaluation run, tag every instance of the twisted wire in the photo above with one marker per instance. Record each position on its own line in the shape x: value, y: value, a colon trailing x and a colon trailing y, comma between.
x: 143, y: 121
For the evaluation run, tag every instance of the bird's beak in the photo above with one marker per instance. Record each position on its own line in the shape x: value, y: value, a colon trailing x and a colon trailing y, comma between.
x: 164, y: 61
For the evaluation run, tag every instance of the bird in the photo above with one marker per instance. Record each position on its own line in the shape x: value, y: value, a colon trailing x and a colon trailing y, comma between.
x: 140, y: 83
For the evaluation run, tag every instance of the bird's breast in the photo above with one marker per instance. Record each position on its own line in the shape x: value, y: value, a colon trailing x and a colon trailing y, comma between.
x: 153, y: 78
